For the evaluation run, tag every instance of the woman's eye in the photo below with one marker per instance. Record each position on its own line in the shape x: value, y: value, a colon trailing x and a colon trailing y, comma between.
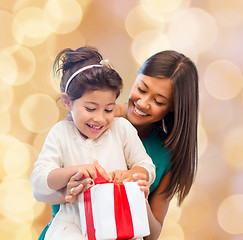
x: 158, y: 103
x: 140, y: 90
x: 89, y: 109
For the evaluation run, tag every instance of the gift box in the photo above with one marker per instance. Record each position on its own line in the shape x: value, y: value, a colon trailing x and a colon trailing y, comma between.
x: 113, y: 211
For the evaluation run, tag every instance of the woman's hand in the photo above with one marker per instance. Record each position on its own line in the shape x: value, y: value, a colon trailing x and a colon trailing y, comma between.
x: 76, y: 185
x: 140, y: 178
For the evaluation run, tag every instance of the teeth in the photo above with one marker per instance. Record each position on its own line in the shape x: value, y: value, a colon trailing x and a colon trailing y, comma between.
x: 139, y: 112
x: 94, y: 127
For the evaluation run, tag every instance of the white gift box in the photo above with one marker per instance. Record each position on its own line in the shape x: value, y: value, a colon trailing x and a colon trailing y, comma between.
x: 113, y: 211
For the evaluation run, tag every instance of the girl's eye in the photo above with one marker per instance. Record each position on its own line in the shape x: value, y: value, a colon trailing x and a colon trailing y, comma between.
x: 158, y: 103
x: 140, y: 90
x: 108, y: 110
x: 89, y: 109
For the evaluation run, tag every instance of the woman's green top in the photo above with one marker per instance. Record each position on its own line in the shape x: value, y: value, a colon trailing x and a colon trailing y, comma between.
x: 160, y: 157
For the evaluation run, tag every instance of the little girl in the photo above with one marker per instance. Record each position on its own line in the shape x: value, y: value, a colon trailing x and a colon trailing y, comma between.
x: 89, y: 91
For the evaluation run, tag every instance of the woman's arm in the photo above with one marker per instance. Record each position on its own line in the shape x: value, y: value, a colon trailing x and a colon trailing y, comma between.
x: 157, y: 208
x: 121, y: 110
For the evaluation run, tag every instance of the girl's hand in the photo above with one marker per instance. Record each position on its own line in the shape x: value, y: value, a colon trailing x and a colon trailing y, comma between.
x: 82, y: 178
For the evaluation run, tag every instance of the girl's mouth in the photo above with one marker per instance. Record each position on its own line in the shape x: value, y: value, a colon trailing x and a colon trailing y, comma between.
x: 94, y: 128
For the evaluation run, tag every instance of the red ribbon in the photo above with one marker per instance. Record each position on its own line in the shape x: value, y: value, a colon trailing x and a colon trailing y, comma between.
x: 123, y: 216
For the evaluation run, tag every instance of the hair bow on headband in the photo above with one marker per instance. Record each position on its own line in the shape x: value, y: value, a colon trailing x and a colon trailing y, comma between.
x: 106, y: 63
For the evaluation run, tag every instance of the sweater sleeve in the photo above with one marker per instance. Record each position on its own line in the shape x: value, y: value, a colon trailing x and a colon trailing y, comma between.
x: 49, y: 158
x: 134, y: 150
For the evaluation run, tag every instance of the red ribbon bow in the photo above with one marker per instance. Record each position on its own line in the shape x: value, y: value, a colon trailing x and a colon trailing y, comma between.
x: 123, y: 216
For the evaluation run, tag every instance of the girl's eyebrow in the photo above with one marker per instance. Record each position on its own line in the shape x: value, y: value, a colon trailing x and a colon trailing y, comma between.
x: 160, y: 95
x: 98, y: 104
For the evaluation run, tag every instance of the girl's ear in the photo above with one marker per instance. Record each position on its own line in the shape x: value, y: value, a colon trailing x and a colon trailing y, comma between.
x: 66, y: 101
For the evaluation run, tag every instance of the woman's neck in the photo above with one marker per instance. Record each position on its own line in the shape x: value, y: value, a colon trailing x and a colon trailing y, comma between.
x: 144, y: 131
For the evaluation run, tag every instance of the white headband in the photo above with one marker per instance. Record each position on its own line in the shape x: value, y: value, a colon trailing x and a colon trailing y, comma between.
x: 77, y: 72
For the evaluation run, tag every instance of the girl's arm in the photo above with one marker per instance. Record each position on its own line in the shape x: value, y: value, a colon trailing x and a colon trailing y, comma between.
x: 59, y: 177
x: 157, y: 208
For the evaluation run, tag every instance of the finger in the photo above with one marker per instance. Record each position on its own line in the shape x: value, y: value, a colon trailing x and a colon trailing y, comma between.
x: 137, y: 176
x: 143, y: 183
x: 76, y: 190
x: 145, y: 190
x: 117, y: 177
x: 79, y: 175
x: 100, y: 168
x: 70, y: 198
x: 128, y: 179
x: 110, y: 176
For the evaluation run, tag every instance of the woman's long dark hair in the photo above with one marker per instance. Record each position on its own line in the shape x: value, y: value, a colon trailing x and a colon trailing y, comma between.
x: 181, y: 124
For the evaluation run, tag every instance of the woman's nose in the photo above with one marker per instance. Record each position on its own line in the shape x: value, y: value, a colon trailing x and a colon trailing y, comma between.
x: 143, y: 103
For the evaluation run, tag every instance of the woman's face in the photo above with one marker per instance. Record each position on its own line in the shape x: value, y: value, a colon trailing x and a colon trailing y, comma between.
x: 150, y: 100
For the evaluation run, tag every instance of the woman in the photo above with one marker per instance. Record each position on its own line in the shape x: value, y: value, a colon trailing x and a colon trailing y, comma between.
x: 163, y: 107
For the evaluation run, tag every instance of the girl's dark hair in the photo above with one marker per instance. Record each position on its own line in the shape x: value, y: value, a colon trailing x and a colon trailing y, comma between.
x: 181, y: 124
x: 68, y: 61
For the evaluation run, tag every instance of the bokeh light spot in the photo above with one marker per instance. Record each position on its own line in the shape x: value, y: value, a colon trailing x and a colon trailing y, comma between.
x: 15, y: 229
x: 26, y: 65
x: 6, y: 96
x: 145, y: 44
x: 202, y: 140
x: 6, y: 21
x: 174, y: 211
x: 162, y: 6
x: 16, y: 197
x: 230, y: 214
x: 138, y: 21
x: 57, y: 42
x: 29, y: 27
x: 67, y: 17
x: 6, y: 141
x: 195, y: 25
x: 8, y: 68
x: 39, y: 112
x: 18, y: 158
x: 171, y: 230
x: 227, y: 13
x: 212, y: 111
x: 223, y: 79
x: 213, y: 158
x: 5, y: 121
x: 233, y: 147
x: 236, y: 184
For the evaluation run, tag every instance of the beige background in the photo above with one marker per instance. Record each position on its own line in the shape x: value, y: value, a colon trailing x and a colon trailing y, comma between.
x: 126, y: 32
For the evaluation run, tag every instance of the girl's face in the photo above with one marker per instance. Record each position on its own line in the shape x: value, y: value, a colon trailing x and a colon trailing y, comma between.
x: 150, y: 100
x: 93, y: 112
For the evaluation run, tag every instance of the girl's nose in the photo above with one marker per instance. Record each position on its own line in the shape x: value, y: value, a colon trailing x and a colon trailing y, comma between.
x: 99, y: 117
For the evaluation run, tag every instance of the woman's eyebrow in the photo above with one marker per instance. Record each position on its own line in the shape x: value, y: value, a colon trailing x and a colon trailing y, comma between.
x: 160, y: 95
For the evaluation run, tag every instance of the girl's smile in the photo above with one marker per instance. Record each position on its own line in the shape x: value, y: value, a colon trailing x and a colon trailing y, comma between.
x: 93, y: 112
